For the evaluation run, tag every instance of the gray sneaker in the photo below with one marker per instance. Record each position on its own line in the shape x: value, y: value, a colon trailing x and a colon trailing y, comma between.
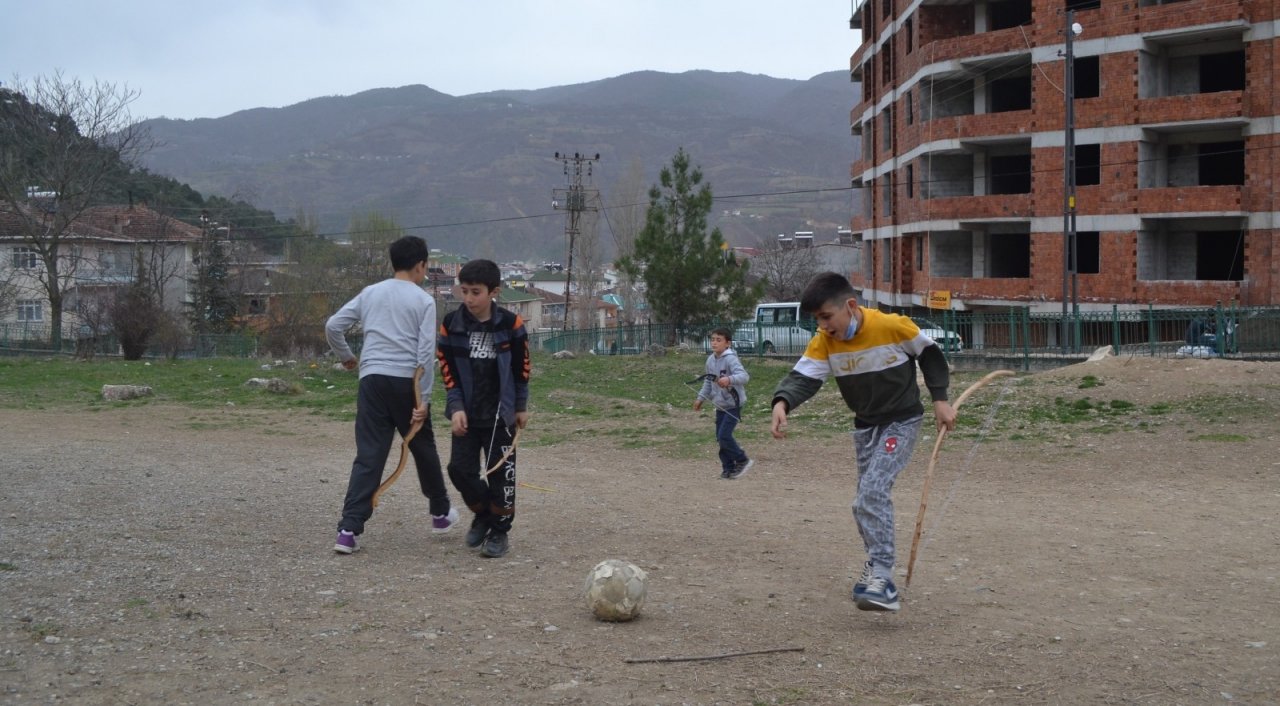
x: 479, y: 530
x: 742, y: 468
x: 495, y: 545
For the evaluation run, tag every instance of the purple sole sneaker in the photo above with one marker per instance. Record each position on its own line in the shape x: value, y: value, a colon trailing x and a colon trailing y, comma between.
x: 346, y: 544
x: 443, y: 523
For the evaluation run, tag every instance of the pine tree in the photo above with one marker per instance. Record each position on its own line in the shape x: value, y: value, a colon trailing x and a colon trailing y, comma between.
x: 691, y: 277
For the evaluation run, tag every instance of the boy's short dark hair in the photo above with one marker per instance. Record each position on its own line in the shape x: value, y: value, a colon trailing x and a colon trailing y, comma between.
x: 826, y: 287
x: 407, y: 252
x: 723, y: 332
x: 484, y: 272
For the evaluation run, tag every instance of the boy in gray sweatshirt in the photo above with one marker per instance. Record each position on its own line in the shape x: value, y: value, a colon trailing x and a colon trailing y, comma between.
x: 399, y: 321
x: 724, y: 384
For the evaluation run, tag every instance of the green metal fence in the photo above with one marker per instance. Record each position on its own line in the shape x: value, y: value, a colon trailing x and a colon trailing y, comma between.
x: 32, y: 338
x: 1015, y: 335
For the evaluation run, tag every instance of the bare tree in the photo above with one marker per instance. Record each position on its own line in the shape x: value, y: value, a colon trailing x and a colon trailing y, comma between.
x: 61, y: 141
x: 626, y: 205
x: 8, y: 288
x: 587, y: 270
x: 371, y: 235
x: 785, y: 268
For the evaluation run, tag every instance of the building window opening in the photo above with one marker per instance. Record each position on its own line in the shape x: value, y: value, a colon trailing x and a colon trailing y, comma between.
x: 1010, y: 255
x: 1010, y: 174
x: 886, y: 129
x: 906, y: 34
x: 1088, y: 165
x: 1087, y: 256
x: 911, y: 181
x: 1222, y: 164
x: 1010, y: 13
x: 1088, y: 77
x: 911, y: 111
x: 1010, y: 93
x: 1083, y: 4
x: 24, y: 258
x: 1220, y: 255
x: 886, y: 8
x: 30, y: 310
x: 1222, y: 72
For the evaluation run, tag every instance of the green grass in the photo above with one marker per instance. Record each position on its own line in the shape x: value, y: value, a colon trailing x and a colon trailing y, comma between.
x: 630, y: 401
x: 57, y: 383
x: 1221, y: 437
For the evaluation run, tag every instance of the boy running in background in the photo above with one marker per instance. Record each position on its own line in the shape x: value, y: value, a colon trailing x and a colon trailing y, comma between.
x: 872, y: 356
x: 724, y: 385
x: 398, y: 318
x: 484, y: 360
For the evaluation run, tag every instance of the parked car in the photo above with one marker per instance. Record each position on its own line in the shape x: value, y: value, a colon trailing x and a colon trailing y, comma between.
x: 947, y: 339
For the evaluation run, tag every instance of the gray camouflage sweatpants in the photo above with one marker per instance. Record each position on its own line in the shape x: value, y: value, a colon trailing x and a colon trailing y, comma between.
x: 882, y: 451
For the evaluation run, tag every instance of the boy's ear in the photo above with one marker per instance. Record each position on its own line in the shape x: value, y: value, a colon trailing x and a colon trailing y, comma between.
x: 494, y: 292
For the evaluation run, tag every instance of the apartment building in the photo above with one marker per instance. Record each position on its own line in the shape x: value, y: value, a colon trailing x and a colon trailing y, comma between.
x: 963, y: 123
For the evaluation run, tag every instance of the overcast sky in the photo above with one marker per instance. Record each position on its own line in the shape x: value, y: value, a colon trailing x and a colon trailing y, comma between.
x: 212, y: 58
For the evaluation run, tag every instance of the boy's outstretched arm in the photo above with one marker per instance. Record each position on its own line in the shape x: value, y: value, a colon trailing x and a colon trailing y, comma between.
x: 778, y: 421
x: 792, y: 390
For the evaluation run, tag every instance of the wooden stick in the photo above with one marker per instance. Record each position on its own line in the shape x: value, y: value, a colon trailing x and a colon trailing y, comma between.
x: 933, y: 459
x: 404, y: 443
x: 510, y: 450
x: 726, y: 655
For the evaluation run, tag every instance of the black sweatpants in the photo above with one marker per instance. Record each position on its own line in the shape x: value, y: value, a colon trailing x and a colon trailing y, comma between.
x: 384, y: 406
x: 493, y: 499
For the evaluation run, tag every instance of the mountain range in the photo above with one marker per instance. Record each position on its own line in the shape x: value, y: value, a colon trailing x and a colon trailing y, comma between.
x: 475, y: 174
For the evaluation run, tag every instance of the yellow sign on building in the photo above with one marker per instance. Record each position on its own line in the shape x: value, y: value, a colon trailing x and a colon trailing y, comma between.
x: 939, y: 299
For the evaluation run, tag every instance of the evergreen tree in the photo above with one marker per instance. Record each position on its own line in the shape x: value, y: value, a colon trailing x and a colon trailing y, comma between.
x: 213, y: 307
x: 691, y: 277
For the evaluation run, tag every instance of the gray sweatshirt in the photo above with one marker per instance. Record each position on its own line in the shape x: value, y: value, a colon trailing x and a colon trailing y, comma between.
x: 399, y: 322
x: 725, y: 365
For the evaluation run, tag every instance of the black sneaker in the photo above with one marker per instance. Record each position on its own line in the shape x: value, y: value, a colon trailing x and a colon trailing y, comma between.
x: 479, y: 530
x: 741, y: 469
x: 495, y: 545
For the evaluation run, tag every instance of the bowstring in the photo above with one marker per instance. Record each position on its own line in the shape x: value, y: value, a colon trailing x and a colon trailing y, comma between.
x: 704, y: 378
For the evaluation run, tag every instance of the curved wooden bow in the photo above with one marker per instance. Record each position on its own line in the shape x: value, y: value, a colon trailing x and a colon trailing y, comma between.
x: 510, y: 450
x: 928, y: 475
x: 404, y: 443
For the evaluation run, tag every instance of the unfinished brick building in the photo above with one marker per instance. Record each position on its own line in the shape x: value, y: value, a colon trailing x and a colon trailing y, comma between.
x: 963, y: 126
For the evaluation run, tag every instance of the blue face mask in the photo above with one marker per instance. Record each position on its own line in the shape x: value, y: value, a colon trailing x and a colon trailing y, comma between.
x: 853, y: 327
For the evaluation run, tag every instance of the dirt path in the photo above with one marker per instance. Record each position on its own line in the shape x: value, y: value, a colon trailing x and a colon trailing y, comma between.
x: 159, y: 555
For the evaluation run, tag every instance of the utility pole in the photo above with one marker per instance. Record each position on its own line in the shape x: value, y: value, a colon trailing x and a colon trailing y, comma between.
x: 575, y: 199
x: 1069, y: 176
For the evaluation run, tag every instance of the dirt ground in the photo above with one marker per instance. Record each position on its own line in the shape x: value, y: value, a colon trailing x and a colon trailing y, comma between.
x: 162, y: 555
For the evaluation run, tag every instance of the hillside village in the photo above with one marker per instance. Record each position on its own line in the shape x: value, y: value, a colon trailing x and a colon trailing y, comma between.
x: 979, y: 190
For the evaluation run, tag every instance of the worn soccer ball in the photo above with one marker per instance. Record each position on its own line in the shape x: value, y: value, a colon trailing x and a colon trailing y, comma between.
x: 615, y: 590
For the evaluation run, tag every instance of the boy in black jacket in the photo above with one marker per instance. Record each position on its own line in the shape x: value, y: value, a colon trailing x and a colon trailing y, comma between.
x: 484, y: 359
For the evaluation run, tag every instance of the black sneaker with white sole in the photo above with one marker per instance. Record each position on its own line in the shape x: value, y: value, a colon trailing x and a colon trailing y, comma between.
x: 741, y: 469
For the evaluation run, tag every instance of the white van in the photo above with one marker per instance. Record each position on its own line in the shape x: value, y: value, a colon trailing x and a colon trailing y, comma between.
x: 779, y: 327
